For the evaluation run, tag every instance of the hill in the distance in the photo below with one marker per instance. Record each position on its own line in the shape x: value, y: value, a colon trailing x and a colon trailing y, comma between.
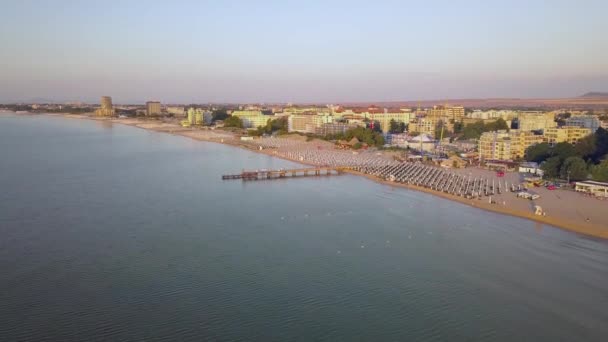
x: 595, y: 94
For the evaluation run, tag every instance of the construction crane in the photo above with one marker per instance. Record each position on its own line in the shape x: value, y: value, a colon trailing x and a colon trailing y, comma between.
x: 438, y: 144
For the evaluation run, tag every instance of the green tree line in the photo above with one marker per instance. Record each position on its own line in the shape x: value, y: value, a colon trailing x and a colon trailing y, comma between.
x: 575, y: 162
x: 277, y: 125
x: 474, y: 130
x: 363, y: 134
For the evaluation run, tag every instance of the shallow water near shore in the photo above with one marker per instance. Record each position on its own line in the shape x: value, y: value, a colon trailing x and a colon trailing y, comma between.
x: 118, y: 233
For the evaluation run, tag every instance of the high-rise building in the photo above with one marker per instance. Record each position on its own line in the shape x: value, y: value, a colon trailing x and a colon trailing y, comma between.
x: 252, y: 118
x: 106, y: 107
x: 106, y: 102
x: 153, y: 108
x: 329, y: 128
x: 503, y: 145
x: 587, y: 121
x: 569, y: 134
x: 176, y: 111
x: 307, y: 122
x: 536, y: 121
x: 197, y: 116
x: 429, y: 124
x: 449, y: 113
x: 386, y: 117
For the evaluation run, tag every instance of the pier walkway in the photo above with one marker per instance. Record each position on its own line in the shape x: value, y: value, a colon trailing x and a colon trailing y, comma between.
x: 286, y: 173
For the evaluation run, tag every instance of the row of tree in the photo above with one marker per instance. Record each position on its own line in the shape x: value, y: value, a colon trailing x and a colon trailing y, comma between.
x: 474, y: 130
x: 363, y: 134
x: 233, y: 121
x: 574, y: 162
x: 396, y: 127
x: 277, y: 125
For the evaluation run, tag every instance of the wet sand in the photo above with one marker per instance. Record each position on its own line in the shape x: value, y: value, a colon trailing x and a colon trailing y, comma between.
x: 564, y: 209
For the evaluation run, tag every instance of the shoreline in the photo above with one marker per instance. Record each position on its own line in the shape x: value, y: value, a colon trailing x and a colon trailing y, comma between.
x: 588, y: 229
x: 584, y: 228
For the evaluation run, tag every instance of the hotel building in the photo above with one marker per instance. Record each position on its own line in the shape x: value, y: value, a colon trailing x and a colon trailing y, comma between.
x: 536, y: 121
x: 508, y: 146
x: 569, y: 134
x: 252, y: 118
x: 153, y: 108
x: 106, y: 107
x: 588, y: 121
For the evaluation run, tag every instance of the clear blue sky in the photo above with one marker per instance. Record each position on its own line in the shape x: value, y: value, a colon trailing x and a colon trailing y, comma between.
x: 299, y: 51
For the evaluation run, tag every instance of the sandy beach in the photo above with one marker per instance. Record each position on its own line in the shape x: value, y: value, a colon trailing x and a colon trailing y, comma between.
x: 565, y: 209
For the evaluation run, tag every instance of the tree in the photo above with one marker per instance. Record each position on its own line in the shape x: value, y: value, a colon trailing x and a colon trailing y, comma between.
x: 378, y: 140
x: 233, y: 121
x: 458, y: 127
x: 364, y: 135
x: 586, y: 146
x: 396, y: 127
x: 497, y: 125
x: 256, y: 132
x: 601, y: 144
x: 393, y: 126
x: 551, y: 167
x: 474, y: 130
x: 599, y: 172
x: 377, y: 127
x: 219, y: 114
x: 276, y: 125
x: 563, y: 150
x: 402, y: 127
x: 538, y: 153
x: 574, y: 168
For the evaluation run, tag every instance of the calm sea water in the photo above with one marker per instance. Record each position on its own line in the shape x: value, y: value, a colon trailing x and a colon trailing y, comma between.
x: 110, y: 232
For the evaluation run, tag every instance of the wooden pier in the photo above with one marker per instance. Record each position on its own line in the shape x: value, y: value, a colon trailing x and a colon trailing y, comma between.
x: 285, y: 173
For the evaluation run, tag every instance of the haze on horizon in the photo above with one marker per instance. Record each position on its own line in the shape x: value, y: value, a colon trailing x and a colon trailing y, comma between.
x: 304, y: 51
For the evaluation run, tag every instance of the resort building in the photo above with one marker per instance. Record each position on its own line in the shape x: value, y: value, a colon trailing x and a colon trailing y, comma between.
x: 449, y: 113
x: 536, y: 121
x: 329, y: 128
x: 307, y: 122
x: 302, y: 110
x: 569, y: 134
x: 386, y: 117
x: 468, y: 121
x: 508, y: 146
x: 598, y: 189
x: 252, y: 118
x: 587, y: 121
x: 153, y: 108
x: 422, y: 143
x: 106, y: 107
x: 428, y: 125
x: 507, y: 115
x: 197, y: 116
x: 177, y: 111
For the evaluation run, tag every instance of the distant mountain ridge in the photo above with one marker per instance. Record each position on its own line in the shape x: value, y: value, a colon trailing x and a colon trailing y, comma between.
x: 595, y: 94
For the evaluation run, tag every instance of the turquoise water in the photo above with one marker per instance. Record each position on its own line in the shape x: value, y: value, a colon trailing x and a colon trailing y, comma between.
x: 115, y: 233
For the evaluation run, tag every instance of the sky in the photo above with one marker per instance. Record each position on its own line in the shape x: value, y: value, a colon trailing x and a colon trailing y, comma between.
x: 300, y: 51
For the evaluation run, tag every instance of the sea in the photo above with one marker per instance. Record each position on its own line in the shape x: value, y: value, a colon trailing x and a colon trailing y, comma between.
x: 113, y: 233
